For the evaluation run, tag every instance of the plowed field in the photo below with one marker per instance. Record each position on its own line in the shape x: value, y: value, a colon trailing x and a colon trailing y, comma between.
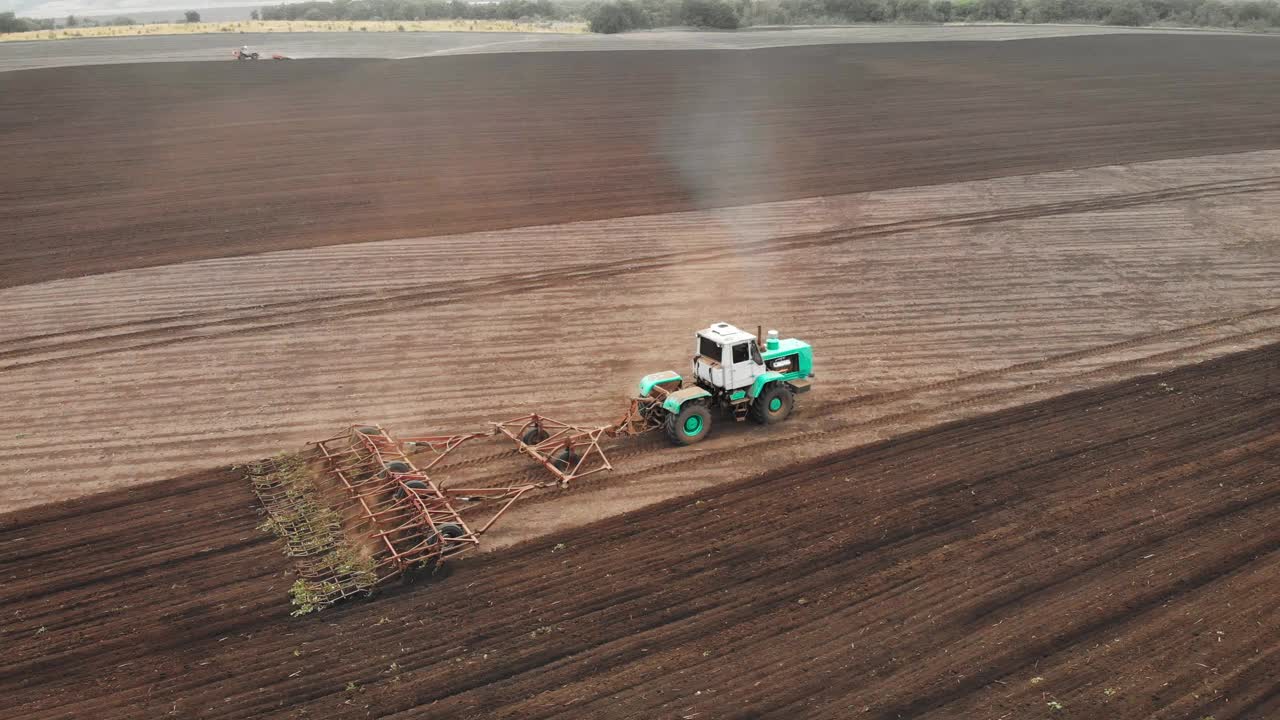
x: 924, y: 304
x: 1111, y: 553
x: 114, y: 167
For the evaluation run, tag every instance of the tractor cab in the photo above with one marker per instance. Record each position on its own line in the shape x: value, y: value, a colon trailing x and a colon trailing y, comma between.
x: 727, y: 358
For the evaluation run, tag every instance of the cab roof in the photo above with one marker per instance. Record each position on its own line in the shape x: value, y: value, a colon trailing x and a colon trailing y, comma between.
x: 726, y: 334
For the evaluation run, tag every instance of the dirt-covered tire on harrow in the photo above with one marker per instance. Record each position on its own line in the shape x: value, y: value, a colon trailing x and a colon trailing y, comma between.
x: 690, y: 425
x: 773, y: 405
x: 415, y: 484
x: 565, y: 459
x: 433, y: 565
x: 534, y: 435
x: 368, y: 430
x: 451, y: 530
x: 399, y: 466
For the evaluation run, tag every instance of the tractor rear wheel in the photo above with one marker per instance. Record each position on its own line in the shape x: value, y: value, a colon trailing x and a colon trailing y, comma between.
x: 773, y: 404
x: 690, y: 425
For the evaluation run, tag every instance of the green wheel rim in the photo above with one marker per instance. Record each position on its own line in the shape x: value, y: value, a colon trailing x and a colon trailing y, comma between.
x: 693, y: 425
x: 775, y: 404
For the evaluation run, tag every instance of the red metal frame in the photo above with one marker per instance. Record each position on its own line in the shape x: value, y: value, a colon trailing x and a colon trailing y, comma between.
x: 586, y: 457
x: 409, y: 515
x: 409, y: 520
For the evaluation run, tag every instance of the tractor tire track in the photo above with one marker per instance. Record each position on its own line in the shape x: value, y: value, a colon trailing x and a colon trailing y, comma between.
x: 628, y: 448
x: 938, y: 305
x: 291, y: 314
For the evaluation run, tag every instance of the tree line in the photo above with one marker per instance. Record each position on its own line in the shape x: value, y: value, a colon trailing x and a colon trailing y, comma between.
x: 622, y: 15
x: 10, y: 23
x: 416, y: 10
x: 613, y: 16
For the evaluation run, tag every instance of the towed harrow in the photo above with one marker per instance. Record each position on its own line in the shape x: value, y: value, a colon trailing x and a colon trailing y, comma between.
x: 361, y: 509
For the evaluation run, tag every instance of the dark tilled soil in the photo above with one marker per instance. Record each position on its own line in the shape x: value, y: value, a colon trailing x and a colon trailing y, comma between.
x: 1112, y: 553
x: 113, y: 167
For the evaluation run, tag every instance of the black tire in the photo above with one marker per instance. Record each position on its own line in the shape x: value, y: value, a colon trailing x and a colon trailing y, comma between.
x: 368, y: 430
x: 690, y: 425
x: 565, y: 459
x: 434, y: 564
x: 774, y: 404
x: 420, y: 570
x: 450, y: 530
x: 415, y: 484
x: 534, y: 435
x: 253, y: 55
x: 399, y: 466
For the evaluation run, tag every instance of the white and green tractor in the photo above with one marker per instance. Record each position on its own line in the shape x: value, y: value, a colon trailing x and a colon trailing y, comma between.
x: 733, y: 371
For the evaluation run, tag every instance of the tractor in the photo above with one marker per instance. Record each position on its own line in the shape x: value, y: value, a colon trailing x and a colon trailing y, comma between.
x: 735, y: 372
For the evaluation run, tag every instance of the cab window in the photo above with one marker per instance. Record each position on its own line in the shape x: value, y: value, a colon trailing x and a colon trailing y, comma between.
x: 709, y: 348
x: 740, y: 353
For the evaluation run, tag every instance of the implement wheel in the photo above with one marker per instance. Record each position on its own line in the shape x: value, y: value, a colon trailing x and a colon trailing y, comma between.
x: 534, y: 435
x: 773, y: 404
x: 565, y: 460
x: 690, y: 425
x: 415, y: 484
x: 450, y: 531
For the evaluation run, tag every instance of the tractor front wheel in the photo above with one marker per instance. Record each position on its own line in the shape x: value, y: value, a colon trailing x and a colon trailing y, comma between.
x: 690, y: 425
x: 773, y: 404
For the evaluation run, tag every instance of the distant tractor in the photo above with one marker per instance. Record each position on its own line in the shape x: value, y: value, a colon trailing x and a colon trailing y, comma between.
x: 242, y: 53
x: 733, y: 371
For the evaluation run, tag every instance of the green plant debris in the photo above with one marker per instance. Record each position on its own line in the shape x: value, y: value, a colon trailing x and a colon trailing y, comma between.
x: 331, y: 568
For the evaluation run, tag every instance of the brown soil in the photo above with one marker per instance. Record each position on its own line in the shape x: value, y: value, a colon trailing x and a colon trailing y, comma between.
x: 115, y: 167
x: 924, y: 305
x: 1113, y: 552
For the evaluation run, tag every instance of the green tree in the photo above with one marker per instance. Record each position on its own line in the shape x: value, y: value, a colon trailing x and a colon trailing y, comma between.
x: 709, y: 14
x: 616, y: 17
x: 192, y: 16
x: 916, y: 11
x: 1003, y: 10
x: 1129, y: 12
